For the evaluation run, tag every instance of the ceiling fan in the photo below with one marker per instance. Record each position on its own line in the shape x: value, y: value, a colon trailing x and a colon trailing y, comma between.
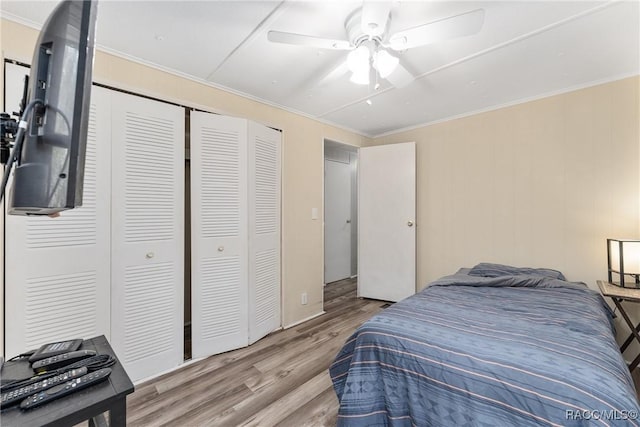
x: 374, y: 52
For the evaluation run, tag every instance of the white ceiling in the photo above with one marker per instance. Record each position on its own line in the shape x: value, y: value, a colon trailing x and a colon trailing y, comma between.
x: 525, y: 49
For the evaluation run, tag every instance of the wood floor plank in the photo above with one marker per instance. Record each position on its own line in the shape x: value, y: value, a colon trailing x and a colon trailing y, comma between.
x: 285, y: 380
x: 322, y: 411
x: 280, y: 409
x: 301, y: 365
x: 282, y: 379
x: 229, y: 389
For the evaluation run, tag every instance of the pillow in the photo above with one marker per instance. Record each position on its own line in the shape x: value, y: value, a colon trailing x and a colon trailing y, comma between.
x: 485, y: 269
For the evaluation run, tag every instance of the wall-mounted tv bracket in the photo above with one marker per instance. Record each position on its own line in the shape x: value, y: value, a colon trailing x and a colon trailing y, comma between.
x: 9, y: 126
x: 8, y: 130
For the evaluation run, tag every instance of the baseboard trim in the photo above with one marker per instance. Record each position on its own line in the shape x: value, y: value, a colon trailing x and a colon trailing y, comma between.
x: 167, y: 371
x: 304, y: 320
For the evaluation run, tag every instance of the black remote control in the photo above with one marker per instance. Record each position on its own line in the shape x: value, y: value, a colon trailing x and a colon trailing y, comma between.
x: 55, y: 348
x: 54, y: 362
x: 66, y: 388
x: 15, y: 396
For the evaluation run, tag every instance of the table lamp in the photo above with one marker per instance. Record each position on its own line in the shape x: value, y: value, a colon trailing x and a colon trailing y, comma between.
x: 623, y: 259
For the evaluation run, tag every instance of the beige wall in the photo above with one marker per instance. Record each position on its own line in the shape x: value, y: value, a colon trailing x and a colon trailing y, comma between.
x: 542, y: 183
x: 302, y: 238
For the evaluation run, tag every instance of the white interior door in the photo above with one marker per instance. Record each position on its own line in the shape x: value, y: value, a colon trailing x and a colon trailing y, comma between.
x: 219, y: 234
x: 337, y: 220
x: 147, y: 234
x: 58, y: 270
x: 264, y: 230
x: 386, y: 222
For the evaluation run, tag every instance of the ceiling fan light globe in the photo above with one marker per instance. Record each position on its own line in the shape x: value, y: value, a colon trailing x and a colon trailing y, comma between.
x: 385, y: 63
x: 358, y: 60
x: 361, y: 78
x: 398, y: 43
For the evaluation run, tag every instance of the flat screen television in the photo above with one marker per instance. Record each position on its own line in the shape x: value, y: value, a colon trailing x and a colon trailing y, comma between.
x: 49, y: 161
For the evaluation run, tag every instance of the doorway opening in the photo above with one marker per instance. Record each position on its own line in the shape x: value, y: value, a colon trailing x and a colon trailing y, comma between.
x: 340, y: 211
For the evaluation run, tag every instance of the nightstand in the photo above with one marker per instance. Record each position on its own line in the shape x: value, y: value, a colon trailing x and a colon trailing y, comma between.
x: 617, y: 295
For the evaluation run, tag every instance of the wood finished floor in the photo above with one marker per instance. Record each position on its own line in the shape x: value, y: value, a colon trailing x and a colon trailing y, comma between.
x: 281, y: 380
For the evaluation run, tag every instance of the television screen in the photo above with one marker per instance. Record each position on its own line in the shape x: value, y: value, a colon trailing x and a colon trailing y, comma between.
x: 49, y: 173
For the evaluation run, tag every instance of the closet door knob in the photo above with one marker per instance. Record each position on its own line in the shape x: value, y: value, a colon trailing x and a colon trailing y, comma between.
x: 410, y: 223
x: 149, y: 255
x: 220, y: 248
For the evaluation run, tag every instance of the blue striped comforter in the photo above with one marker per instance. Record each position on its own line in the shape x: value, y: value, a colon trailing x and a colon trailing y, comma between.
x: 475, y: 351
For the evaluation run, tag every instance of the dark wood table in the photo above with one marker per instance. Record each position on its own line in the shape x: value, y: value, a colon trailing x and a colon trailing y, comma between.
x: 88, y: 404
x: 617, y: 295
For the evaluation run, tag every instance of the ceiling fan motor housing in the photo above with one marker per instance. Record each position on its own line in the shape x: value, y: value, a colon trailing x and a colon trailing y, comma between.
x: 356, y: 36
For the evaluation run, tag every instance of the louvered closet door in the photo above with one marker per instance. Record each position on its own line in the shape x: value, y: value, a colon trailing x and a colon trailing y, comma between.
x: 219, y: 233
x: 264, y: 230
x: 147, y: 235
x: 58, y: 270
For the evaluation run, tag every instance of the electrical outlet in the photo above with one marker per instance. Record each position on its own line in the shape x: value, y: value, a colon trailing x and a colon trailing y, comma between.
x: 303, y: 298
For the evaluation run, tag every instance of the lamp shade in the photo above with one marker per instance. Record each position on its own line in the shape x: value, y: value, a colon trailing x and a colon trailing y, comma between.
x: 623, y: 258
x: 358, y: 63
x: 385, y: 63
x: 358, y: 60
x: 627, y: 260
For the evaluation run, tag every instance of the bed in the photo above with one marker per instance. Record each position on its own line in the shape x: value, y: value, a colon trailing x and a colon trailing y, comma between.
x: 487, y: 347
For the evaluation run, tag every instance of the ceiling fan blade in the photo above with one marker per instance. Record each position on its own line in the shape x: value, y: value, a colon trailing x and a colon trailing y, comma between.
x: 302, y: 40
x: 448, y: 28
x: 375, y: 15
x: 400, y: 77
